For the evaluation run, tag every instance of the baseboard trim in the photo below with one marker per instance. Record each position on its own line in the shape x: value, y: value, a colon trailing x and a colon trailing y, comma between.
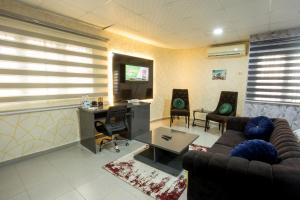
x: 40, y: 153
x: 163, y: 118
x: 158, y: 119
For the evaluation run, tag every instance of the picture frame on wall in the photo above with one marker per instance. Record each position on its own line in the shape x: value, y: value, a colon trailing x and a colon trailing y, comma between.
x: 219, y: 74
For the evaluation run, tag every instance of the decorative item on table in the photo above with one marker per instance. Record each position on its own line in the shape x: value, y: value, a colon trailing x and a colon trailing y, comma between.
x: 94, y: 104
x: 219, y: 74
x: 85, y: 102
x: 100, y: 101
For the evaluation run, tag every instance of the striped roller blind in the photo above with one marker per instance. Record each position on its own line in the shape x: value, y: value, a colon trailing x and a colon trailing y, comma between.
x: 40, y: 63
x: 274, y: 70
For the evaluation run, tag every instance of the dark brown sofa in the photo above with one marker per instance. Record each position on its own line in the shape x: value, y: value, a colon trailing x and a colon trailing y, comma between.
x: 217, y: 175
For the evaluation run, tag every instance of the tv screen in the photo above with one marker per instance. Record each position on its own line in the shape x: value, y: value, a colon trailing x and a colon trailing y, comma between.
x: 136, y: 73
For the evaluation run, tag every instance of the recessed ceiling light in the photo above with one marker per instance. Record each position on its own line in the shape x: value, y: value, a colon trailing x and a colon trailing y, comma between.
x: 218, y: 31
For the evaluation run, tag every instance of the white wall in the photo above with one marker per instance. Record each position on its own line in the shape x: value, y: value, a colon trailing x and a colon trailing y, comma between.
x: 205, y: 92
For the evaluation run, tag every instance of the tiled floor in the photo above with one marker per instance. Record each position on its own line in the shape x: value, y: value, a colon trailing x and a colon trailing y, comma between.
x: 75, y: 173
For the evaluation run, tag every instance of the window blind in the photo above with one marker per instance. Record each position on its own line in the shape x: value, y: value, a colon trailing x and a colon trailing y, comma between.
x: 40, y: 63
x: 274, y: 70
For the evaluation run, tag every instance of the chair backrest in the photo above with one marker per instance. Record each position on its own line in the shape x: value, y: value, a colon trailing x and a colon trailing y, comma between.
x: 183, y: 94
x: 116, y: 118
x: 228, y: 97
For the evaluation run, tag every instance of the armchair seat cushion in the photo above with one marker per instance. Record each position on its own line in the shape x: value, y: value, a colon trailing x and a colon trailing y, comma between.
x: 217, y: 117
x: 180, y: 112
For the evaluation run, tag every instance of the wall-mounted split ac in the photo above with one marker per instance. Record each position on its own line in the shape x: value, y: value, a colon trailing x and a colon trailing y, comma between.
x: 227, y: 50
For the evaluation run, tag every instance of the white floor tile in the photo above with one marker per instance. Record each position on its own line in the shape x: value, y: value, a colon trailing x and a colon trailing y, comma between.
x: 10, y: 182
x: 98, y: 188
x: 119, y: 194
x: 36, y: 171
x: 73, y: 195
x: 49, y: 190
x: 21, y: 196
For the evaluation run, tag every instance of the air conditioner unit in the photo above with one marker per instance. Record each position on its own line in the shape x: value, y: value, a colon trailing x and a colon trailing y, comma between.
x: 227, y: 50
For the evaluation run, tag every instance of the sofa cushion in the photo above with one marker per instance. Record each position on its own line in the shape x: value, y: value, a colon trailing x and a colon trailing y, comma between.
x: 256, y: 150
x: 221, y: 149
x: 259, y: 128
x: 291, y: 162
x: 231, y: 138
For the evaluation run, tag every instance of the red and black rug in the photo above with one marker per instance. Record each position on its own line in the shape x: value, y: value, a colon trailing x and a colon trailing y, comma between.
x: 149, y: 180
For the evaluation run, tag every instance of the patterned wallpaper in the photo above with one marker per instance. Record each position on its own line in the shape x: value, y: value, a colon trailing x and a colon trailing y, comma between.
x: 289, y: 112
x: 28, y: 133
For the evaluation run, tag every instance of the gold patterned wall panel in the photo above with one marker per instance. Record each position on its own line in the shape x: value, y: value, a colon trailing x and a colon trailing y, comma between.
x: 28, y: 133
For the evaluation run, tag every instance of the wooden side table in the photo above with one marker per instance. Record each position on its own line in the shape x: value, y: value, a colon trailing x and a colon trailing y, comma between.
x: 195, y: 120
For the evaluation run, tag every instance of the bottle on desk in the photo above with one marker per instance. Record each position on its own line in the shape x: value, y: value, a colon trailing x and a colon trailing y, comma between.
x: 85, y: 102
x: 100, y: 101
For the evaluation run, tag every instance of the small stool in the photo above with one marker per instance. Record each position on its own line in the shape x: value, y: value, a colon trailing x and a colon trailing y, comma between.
x: 201, y: 111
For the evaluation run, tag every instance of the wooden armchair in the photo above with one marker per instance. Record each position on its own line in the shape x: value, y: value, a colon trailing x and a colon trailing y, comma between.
x: 225, y: 97
x: 185, y: 111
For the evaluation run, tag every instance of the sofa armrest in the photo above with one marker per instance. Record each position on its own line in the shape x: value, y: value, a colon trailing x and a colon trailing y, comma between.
x: 237, y: 123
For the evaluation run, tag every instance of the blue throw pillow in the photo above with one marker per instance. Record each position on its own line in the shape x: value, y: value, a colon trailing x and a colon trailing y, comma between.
x: 259, y: 128
x: 256, y: 150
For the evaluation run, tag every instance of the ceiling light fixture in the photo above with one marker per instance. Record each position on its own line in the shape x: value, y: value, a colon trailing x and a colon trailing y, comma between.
x: 218, y: 31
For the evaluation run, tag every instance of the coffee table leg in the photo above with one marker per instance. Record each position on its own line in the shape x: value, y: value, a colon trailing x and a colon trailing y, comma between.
x: 154, y: 154
x: 157, y: 154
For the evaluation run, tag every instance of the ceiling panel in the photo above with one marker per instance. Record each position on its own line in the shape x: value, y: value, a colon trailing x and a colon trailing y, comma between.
x: 181, y: 23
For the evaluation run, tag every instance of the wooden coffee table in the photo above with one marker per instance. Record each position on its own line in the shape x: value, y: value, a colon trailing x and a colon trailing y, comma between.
x: 164, y: 154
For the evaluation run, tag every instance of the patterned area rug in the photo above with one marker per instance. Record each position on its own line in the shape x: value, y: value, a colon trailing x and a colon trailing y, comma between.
x: 149, y: 180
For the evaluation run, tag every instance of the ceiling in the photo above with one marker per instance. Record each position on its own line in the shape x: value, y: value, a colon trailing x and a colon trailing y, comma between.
x: 181, y: 23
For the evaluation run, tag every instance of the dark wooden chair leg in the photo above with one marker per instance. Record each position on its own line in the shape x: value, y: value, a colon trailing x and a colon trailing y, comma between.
x: 188, y: 121
x: 223, y: 124
x: 219, y: 126
x: 100, y: 148
x: 206, y: 124
x: 171, y: 121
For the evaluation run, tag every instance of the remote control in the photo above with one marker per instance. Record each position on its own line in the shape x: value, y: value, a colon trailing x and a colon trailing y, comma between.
x: 167, y: 136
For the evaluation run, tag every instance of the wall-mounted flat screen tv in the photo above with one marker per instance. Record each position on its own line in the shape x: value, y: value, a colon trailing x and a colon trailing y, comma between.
x: 136, y: 73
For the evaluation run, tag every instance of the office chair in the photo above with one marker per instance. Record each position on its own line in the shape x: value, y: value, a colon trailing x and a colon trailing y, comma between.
x: 115, y: 123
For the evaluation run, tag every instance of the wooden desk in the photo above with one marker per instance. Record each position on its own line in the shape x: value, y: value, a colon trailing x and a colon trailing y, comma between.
x: 138, y: 122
